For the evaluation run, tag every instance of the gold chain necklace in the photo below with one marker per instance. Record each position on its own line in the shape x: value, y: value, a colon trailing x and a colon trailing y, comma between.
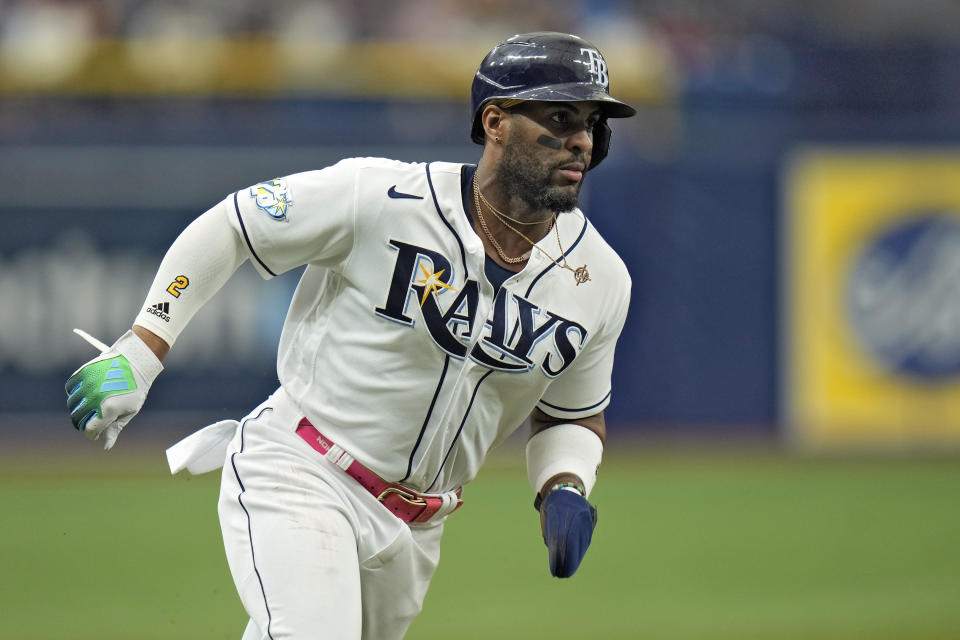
x: 580, y: 274
x: 493, y: 241
x: 501, y: 214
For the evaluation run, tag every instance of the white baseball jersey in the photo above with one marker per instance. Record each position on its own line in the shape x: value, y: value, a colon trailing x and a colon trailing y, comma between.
x: 396, y: 346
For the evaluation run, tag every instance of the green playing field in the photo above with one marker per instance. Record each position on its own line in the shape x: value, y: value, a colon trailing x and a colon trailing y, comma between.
x: 704, y: 545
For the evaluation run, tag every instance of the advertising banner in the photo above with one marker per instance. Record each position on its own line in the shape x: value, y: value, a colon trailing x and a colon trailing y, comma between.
x: 872, y: 298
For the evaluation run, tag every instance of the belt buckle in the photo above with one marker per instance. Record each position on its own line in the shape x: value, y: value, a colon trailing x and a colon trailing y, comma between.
x: 406, y: 495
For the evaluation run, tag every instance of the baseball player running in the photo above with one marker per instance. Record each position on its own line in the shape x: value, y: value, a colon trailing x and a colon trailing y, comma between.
x: 442, y: 306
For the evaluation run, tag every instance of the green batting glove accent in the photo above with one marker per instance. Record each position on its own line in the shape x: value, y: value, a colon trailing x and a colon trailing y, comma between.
x: 93, y: 383
x: 106, y: 393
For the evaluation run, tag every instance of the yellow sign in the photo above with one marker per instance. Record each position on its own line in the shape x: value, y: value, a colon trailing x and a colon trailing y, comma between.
x: 872, y: 298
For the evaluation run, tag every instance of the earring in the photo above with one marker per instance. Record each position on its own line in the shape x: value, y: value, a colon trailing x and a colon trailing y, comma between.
x: 497, y: 139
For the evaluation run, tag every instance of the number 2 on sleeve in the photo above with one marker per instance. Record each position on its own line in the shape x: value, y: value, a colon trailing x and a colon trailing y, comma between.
x: 179, y: 283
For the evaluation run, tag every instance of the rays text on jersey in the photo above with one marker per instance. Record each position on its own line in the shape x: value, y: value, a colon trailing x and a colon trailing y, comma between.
x: 517, y: 336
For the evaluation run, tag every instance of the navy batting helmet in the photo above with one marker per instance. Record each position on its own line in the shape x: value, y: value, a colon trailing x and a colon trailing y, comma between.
x: 552, y: 67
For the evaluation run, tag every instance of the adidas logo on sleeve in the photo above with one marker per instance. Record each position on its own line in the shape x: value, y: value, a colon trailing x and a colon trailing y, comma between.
x: 161, y: 310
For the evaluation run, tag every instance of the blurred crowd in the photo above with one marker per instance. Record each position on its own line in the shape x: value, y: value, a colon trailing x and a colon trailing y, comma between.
x: 45, y: 42
x: 684, y: 21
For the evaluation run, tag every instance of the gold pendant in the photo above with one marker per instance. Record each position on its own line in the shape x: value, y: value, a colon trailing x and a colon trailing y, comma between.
x: 581, y: 275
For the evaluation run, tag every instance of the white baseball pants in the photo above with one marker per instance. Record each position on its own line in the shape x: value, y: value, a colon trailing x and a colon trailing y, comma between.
x: 313, y: 555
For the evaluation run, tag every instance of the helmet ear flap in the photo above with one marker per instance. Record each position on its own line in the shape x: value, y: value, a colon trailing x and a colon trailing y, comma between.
x: 601, y: 142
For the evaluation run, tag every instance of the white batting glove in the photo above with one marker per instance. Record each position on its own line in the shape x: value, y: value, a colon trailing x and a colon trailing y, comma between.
x: 105, y: 393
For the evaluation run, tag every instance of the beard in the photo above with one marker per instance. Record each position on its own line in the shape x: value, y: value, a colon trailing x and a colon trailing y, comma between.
x: 529, y: 181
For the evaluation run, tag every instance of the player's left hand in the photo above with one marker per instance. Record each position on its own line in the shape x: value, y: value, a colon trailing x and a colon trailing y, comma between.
x: 567, y: 521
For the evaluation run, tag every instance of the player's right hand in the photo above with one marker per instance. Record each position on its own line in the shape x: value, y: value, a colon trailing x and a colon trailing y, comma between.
x: 108, y: 391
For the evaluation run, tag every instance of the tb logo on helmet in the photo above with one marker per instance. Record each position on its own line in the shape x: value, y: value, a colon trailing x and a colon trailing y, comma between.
x: 597, y: 66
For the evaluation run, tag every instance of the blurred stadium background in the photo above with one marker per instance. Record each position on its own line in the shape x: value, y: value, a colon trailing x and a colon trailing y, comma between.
x: 786, y: 405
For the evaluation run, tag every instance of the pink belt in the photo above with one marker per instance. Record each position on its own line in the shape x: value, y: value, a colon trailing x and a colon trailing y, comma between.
x: 406, y: 504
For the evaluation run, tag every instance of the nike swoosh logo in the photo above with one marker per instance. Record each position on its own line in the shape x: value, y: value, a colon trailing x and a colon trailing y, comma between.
x: 393, y: 193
